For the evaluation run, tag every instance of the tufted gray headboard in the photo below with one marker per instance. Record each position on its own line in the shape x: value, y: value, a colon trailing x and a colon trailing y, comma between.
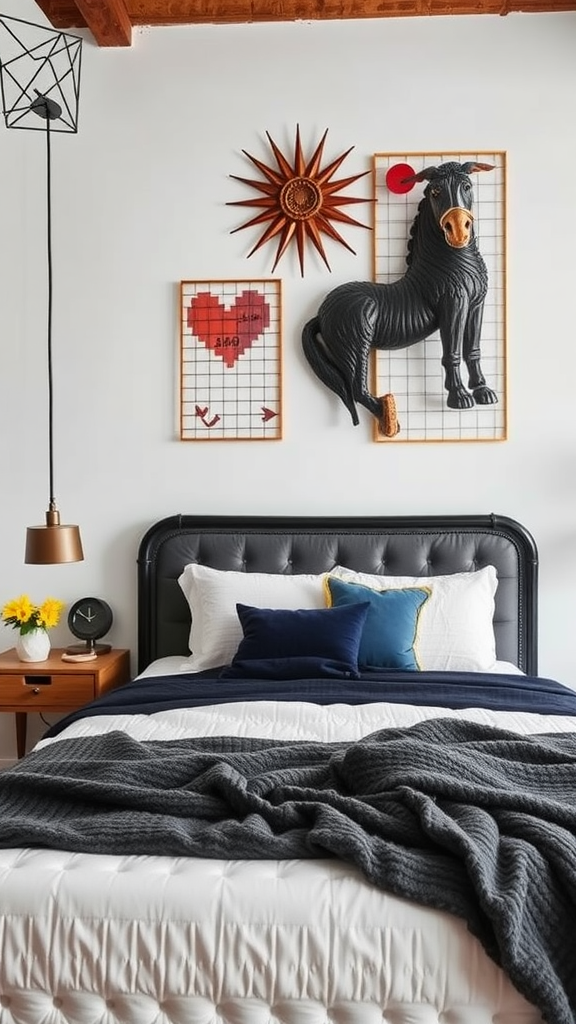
x: 390, y: 545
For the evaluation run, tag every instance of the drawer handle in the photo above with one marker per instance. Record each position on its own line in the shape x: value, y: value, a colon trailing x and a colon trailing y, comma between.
x: 37, y: 681
x: 36, y: 689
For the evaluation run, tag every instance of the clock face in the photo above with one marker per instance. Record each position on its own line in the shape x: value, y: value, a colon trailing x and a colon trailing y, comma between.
x: 89, y: 618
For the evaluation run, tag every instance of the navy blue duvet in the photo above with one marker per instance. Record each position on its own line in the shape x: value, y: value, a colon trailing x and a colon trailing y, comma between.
x: 427, y: 689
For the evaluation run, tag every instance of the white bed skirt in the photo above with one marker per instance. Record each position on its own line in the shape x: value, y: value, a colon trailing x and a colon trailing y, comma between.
x: 89, y: 939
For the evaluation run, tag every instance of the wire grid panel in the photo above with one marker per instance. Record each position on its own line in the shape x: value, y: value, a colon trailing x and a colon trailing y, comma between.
x: 230, y: 361
x: 414, y: 375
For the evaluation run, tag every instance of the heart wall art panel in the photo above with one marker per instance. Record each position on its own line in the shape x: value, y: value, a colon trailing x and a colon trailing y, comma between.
x: 230, y: 361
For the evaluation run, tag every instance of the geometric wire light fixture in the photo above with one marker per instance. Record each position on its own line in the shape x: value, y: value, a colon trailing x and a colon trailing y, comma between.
x: 40, y: 83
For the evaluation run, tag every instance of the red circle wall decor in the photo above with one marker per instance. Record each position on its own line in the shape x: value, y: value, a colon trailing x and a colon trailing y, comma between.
x: 396, y: 176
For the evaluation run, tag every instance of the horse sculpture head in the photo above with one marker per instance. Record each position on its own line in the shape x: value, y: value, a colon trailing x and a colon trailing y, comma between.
x: 449, y: 192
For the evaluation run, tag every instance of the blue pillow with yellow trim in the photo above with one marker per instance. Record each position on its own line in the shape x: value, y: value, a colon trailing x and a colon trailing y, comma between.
x: 391, y: 624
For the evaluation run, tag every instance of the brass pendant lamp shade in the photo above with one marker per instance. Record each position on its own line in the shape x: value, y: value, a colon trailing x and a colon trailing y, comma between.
x: 40, y: 81
x: 53, y: 543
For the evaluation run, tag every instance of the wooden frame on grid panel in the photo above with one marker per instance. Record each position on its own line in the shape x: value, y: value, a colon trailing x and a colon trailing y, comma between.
x: 414, y: 375
x: 231, y: 360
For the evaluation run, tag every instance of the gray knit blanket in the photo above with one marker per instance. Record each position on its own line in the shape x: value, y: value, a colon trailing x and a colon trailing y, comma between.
x: 454, y: 815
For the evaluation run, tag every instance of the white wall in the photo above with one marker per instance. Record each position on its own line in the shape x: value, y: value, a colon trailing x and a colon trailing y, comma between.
x: 140, y: 203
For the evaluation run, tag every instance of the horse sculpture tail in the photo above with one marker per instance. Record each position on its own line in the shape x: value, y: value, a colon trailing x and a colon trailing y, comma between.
x: 319, y: 359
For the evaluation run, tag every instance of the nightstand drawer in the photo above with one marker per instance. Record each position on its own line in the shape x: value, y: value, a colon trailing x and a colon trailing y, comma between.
x: 51, y: 688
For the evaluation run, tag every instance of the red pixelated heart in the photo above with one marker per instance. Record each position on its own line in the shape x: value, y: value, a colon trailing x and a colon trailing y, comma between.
x: 228, y: 332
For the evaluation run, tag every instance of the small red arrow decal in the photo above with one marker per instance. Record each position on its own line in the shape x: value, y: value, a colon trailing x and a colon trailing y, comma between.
x: 202, y: 413
x: 268, y: 414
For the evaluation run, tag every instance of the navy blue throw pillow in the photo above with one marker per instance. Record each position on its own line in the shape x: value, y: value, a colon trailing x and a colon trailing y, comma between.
x: 333, y: 634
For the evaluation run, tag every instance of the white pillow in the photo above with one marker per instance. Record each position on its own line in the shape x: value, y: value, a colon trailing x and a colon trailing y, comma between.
x: 456, y: 624
x: 212, y: 595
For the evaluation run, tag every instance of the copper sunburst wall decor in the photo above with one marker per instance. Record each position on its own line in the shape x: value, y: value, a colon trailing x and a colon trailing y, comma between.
x: 299, y: 200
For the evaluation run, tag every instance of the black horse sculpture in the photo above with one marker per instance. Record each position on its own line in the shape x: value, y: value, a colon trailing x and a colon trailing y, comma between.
x: 443, y: 289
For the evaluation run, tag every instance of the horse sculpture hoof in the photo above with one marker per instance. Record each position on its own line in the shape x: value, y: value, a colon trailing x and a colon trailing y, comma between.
x: 460, y: 399
x: 388, y: 423
x: 485, y: 396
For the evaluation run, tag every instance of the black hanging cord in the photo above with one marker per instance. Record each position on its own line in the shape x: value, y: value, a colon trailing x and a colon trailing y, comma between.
x: 52, y: 504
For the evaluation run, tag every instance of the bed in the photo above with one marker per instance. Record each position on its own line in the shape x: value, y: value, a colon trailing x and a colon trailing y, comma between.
x: 108, y: 913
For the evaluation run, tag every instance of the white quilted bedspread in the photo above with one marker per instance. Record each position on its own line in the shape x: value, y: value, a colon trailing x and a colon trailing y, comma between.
x: 152, y: 940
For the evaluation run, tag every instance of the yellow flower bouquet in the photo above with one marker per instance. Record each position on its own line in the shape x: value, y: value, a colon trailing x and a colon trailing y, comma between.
x: 24, y: 616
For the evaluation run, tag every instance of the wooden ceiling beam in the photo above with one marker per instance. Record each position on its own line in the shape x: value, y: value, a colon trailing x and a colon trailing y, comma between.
x: 108, y: 21
x: 62, y: 13
x: 111, y: 21
x: 182, y: 12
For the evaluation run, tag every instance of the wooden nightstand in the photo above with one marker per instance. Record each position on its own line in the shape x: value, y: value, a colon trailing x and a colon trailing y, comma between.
x: 56, y: 685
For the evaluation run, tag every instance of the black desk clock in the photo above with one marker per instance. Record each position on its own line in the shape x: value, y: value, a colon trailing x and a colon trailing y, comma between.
x: 89, y: 619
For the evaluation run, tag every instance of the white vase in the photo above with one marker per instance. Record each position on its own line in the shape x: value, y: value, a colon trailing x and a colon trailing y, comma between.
x: 33, y: 646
